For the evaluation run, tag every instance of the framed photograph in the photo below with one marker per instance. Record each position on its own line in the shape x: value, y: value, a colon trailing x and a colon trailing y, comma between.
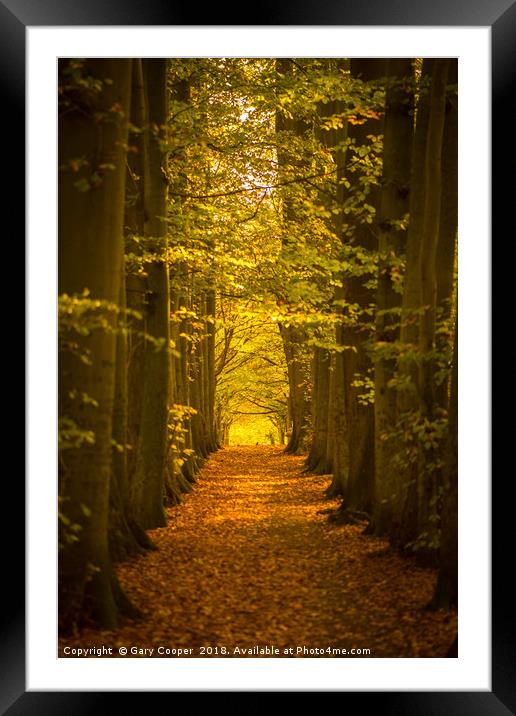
x: 34, y: 36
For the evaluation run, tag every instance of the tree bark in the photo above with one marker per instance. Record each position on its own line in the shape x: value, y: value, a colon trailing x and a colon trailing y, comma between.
x: 356, y: 361
x: 196, y: 386
x: 446, y: 244
x: 429, y: 476
x: 293, y: 337
x: 125, y: 538
x: 90, y: 214
x: 317, y: 458
x: 135, y: 282
x: 212, y: 381
x: 340, y: 451
x: 446, y: 592
x: 299, y: 405
x: 190, y: 467
x: 152, y: 446
x: 407, y: 395
x: 398, y: 127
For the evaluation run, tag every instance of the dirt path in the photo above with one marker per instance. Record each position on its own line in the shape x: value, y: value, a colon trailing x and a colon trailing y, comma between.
x: 249, y: 561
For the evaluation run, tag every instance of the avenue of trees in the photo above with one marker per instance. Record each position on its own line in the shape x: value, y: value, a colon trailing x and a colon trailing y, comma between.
x: 272, y: 237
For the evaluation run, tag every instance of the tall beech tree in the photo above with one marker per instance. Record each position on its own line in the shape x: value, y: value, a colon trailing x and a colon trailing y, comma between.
x: 446, y: 591
x: 430, y: 236
x: 428, y: 475
x: 288, y: 128
x: 126, y: 537
x: 94, y: 100
x: 419, y: 424
x: 448, y: 222
x: 318, y: 459
x: 152, y: 441
x: 357, y: 365
x: 135, y: 276
x: 333, y: 134
x: 135, y: 342
x: 407, y: 389
x: 183, y: 465
x: 391, y: 226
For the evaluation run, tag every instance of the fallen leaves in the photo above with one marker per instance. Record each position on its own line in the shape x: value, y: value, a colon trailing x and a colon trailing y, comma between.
x: 249, y: 559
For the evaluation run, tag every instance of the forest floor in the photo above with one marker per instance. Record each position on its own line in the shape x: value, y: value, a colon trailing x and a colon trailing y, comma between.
x: 250, y: 560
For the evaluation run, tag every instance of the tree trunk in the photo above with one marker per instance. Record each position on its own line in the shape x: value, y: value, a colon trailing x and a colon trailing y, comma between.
x: 317, y: 459
x: 124, y: 540
x: 398, y: 126
x: 152, y: 446
x: 212, y: 384
x: 429, y: 476
x: 196, y: 389
x: 340, y: 447
x: 191, y: 465
x: 446, y: 592
x: 356, y: 361
x: 135, y: 282
x: 446, y: 244
x: 293, y: 336
x: 126, y: 537
x: 299, y: 406
x: 331, y: 417
x: 90, y: 213
x: 205, y: 372
x: 431, y: 234
x: 407, y: 396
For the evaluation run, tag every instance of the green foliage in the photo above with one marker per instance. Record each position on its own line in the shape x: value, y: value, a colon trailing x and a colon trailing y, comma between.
x: 178, y: 425
x: 365, y: 386
x: 68, y: 530
x: 70, y: 435
x: 419, y: 447
x: 80, y: 315
x: 76, y: 83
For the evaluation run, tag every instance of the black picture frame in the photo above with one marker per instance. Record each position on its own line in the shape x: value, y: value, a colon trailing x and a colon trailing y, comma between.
x: 500, y: 16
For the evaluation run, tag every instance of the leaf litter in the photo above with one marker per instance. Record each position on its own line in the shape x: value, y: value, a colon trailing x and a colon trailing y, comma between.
x: 250, y: 560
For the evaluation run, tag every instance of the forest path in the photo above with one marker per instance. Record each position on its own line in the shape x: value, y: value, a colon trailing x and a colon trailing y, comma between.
x: 248, y: 560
